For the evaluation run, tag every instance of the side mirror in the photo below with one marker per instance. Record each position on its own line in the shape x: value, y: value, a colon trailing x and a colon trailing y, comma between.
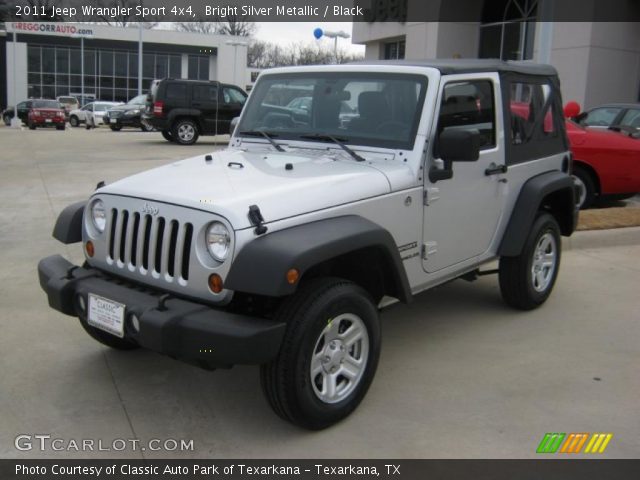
x: 455, y: 146
x: 234, y: 124
x: 459, y: 145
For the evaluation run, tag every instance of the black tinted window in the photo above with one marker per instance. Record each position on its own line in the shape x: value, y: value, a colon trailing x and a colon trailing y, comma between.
x: 205, y: 93
x: 469, y: 106
x: 176, y: 91
x: 46, y: 104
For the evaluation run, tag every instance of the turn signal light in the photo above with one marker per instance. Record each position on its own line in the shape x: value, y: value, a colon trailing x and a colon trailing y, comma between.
x: 215, y: 283
x: 90, y: 249
x: 292, y: 276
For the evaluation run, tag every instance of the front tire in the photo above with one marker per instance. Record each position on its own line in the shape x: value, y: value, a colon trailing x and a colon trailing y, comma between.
x: 185, y: 132
x: 329, y: 354
x: 73, y: 121
x: 586, y: 186
x: 166, y: 134
x: 115, y: 128
x: 7, y: 120
x: 146, y: 128
x: 31, y: 126
x: 526, y: 281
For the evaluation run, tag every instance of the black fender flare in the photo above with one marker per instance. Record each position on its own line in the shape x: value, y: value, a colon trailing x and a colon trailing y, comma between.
x: 529, y: 202
x: 261, y: 266
x: 68, y: 228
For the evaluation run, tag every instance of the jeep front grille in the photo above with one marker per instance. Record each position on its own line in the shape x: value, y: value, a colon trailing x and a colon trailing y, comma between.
x: 150, y: 244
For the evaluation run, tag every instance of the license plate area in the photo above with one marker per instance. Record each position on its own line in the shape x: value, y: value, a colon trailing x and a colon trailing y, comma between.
x: 106, y: 315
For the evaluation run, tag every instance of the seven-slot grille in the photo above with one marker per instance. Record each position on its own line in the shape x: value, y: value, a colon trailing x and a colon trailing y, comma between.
x: 150, y: 244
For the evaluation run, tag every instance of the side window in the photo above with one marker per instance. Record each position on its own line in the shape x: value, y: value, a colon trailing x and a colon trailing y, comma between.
x: 176, y: 92
x: 231, y: 95
x: 88, y: 108
x: 469, y: 106
x: 534, y: 115
x: 600, y: 117
x: 21, y: 105
x: 631, y: 118
x: 205, y: 93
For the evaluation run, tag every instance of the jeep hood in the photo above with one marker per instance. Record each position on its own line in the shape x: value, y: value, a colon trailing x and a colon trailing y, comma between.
x: 282, y: 184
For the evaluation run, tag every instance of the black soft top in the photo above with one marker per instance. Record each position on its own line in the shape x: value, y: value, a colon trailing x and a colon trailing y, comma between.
x: 454, y: 66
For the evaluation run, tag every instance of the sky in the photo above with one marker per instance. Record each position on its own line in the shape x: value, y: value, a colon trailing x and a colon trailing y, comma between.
x: 286, y: 33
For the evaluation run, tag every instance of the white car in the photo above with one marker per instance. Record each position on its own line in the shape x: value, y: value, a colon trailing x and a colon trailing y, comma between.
x: 97, y: 109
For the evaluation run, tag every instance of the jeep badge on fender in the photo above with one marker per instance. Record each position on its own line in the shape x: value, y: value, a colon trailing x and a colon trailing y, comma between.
x: 344, y: 189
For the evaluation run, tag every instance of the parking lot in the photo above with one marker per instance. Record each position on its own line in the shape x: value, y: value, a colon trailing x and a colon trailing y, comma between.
x: 460, y: 376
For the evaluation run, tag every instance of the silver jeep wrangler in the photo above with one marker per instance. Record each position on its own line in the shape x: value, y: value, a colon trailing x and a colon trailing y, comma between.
x: 343, y: 189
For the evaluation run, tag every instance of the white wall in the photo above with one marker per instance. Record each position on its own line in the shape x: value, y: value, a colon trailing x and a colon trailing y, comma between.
x: 230, y: 57
x: 20, y: 73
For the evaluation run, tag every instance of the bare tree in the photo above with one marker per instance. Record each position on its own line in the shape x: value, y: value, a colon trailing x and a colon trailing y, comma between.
x: 124, y: 20
x: 266, y: 55
x: 235, y: 25
x: 197, y: 27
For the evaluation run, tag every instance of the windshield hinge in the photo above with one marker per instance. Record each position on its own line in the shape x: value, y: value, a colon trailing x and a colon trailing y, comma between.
x: 256, y: 218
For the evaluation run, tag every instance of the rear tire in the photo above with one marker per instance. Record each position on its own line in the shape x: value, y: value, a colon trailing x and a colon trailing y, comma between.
x: 60, y: 127
x: 146, y: 128
x: 115, y: 128
x: 329, y: 354
x: 526, y: 281
x: 7, y: 120
x: 185, y: 132
x: 31, y: 126
x: 587, y: 187
x: 73, y: 121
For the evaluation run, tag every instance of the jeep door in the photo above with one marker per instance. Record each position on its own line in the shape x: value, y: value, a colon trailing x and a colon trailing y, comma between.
x: 204, y: 98
x: 461, y: 213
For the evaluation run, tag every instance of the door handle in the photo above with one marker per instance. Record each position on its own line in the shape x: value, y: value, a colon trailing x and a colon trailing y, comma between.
x: 494, y: 169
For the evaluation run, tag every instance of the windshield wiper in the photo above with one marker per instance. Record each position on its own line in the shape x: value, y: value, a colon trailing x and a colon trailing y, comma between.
x: 337, y: 141
x: 269, y: 137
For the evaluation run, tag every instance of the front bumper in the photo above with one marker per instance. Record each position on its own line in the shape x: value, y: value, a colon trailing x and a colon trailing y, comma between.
x: 189, y: 331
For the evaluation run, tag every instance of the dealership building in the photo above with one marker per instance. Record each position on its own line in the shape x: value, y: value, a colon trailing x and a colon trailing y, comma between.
x: 47, y: 60
x: 598, y: 62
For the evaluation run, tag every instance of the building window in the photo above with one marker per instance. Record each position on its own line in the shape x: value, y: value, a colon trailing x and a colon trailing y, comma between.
x: 198, y: 67
x: 108, y: 74
x: 507, y: 30
x: 394, y: 50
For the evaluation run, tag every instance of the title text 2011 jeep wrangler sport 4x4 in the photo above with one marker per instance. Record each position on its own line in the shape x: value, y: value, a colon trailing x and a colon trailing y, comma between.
x: 280, y: 250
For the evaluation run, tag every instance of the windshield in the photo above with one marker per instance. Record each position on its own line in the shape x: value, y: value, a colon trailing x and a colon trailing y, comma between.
x: 46, y: 104
x: 370, y: 109
x: 139, y: 100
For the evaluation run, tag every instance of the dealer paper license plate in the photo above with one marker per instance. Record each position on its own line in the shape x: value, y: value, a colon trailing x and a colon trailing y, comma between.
x: 106, y: 315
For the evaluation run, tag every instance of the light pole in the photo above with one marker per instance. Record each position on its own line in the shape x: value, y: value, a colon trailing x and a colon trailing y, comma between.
x: 235, y: 44
x: 319, y: 33
x: 139, y: 58
x: 81, y: 37
x: 15, y: 121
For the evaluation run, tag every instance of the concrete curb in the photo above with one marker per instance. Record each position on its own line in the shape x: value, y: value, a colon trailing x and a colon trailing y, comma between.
x: 602, y: 238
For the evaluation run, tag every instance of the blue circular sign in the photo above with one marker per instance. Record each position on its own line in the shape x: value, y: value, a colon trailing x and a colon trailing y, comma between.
x: 318, y: 33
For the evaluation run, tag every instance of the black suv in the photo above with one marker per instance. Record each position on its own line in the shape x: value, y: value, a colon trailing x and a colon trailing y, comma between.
x: 185, y: 109
x: 128, y: 115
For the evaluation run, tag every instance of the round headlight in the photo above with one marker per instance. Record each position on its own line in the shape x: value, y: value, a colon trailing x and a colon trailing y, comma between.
x: 218, y: 241
x: 98, y: 215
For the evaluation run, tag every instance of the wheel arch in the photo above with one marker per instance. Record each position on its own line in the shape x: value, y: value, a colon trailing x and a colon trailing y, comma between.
x: 577, y: 163
x: 68, y: 227
x: 350, y: 247
x: 553, y: 192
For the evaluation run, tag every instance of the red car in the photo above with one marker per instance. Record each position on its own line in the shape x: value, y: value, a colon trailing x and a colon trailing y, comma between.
x: 606, y: 162
x: 46, y: 113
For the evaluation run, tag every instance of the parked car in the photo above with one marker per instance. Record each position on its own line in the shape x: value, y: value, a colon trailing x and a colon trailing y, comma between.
x: 280, y: 250
x: 128, y: 115
x: 45, y: 110
x: 97, y: 109
x: 185, y: 109
x: 69, y: 103
x: 611, y: 115
x: 46, y: 113
x: 606, y: 161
